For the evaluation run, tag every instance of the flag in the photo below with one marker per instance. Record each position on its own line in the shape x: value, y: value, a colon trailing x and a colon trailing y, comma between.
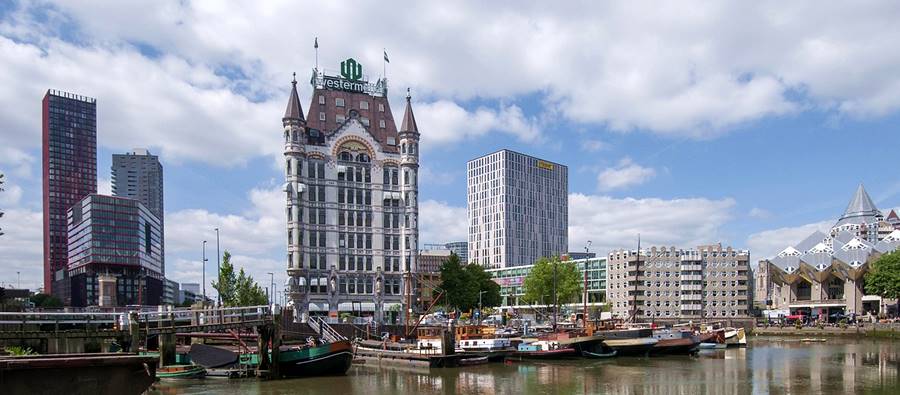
x: 386, y: 58
x: 316, y: 45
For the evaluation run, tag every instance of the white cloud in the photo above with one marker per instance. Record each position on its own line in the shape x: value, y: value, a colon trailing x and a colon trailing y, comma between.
x: 447, y: 122
x: 441, y: 222
x: 759, y: 213
x: 256, y: 231
x: 21, y: 247
x: 17, y: 160
x: 687, y: 68
x: 612, y: 223
x: 768, y: 243
x: 429, y: 176
x: 624, y: 175
x: 594, y: 145
x: 104, y: 185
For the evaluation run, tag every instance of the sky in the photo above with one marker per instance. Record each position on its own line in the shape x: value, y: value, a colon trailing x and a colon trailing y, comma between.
x: 747, y: 124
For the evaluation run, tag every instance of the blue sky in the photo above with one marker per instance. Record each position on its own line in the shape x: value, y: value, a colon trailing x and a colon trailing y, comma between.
x: 749, y: 125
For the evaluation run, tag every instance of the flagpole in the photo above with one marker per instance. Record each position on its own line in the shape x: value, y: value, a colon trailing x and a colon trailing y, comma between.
x: 384, y: 64
x: 316, y: 46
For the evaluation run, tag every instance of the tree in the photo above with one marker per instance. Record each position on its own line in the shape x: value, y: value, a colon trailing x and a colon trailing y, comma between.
x: 238, y: 290
x: 45, y: 301
x: 538, y: 284
x: 225, y: 285
x: 883, y: 278
x: 462, y: 285
x: 485, y: 283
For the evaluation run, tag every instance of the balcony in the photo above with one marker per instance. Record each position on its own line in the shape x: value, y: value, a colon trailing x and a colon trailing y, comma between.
x: 692, y: 277
x: 691, y: 297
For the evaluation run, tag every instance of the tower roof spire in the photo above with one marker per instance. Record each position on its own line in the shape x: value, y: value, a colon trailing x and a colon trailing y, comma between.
x: 294, y: 111
x: 409, y: 120
x: 860, y: 207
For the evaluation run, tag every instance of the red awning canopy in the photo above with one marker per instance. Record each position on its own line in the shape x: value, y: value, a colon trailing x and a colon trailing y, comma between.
x: 795, y: 317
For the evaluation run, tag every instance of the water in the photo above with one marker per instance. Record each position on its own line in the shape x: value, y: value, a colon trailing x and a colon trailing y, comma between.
x: 769, y: 365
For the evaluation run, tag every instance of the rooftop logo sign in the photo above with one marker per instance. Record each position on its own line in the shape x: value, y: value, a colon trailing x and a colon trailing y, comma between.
x: 351, y: 70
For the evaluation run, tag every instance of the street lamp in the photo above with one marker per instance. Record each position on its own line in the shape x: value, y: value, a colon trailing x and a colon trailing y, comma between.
x: 18, y: 281
x: 271, y: 286
x: 204, y: 271
x: 218, y: 266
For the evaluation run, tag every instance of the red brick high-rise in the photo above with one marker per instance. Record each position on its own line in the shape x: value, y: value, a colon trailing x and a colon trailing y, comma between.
x: 69, y: 158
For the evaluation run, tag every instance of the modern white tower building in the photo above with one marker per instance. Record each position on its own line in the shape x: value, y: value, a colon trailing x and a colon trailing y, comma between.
x: 351, y: 199
x: 517, y: 209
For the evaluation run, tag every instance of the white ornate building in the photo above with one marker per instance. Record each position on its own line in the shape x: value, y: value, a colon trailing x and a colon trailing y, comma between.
x: 824, y: 273
x: 351, y: 198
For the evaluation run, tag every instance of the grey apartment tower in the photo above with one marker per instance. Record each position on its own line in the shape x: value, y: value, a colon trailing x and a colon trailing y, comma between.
x: 517, y: 209
x: 139, y: 175
x: 69, y: 162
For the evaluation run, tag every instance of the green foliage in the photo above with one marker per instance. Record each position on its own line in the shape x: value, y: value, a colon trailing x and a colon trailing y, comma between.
x: 462, y: 285
x: 539, y: 282
x: 883, y: 278
x: 240, y: 289
x: 227, y: 281
x: 46, y: 301
x: 16, y: 350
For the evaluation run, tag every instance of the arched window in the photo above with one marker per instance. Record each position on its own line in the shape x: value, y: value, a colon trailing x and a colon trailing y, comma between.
x: 403, y: 148
x: 345, y: 156
x: 363, y: 157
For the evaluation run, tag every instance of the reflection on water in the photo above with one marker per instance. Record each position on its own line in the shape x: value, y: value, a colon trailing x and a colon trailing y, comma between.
x: 772, y: 365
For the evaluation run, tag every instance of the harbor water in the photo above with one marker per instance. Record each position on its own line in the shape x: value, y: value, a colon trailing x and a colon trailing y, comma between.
x: 768, y: 365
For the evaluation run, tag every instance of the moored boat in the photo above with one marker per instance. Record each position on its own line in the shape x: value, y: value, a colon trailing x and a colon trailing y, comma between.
x: 639, y: 346
x: 735, y: 337
x: 325, y: 360
x: 674, y: 342
x: 543, y: 349
x: 177, y: 372
x: 598, y: 355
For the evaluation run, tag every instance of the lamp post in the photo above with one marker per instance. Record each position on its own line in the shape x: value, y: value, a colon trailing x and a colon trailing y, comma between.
x: 218, y: 267
x: 586, y: 258
x: 271, y: 286
x: 18, y: 281
x: 204, y: 271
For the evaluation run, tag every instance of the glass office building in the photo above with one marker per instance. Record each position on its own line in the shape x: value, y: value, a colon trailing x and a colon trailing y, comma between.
x: 115, y: 241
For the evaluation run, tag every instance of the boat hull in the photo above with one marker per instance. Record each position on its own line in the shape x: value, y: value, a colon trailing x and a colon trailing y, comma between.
x: 631, y: 347
x: 686, y: 345
x: 332, y: 359
x: 549, y: 354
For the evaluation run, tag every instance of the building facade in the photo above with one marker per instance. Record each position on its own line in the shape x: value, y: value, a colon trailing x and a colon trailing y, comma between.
x: 170, y: 293
x: 512, y: 282
x: 352, y: 197
x: 139, y: 175
x: 708, y: 282
x: 517, y: 209
x: 461, y: 249
x: 114, y: 253
x: 69, y: 161
x: 430, y: 261
x: 824, y: 273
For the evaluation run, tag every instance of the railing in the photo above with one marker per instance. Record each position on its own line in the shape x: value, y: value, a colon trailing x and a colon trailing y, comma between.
x: 320, y: 326
x: 210, y: 316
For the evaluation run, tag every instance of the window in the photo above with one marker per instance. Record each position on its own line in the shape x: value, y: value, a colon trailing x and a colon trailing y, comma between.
x: 381, y: 123
x: 321, y: 99
x: 380, y: 107
x: 391, y: 140
x: 339, y: 101
x: 321, y: 116
x: 340, y: 118
x: 364, y: 120
x: 363, y: 105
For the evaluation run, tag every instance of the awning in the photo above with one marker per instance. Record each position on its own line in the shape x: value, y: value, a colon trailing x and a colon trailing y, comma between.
x: 795, y: 317
x: 818, y: 304
x: 356, y: 306
x: 871, y: 298
x: 318, y: 307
